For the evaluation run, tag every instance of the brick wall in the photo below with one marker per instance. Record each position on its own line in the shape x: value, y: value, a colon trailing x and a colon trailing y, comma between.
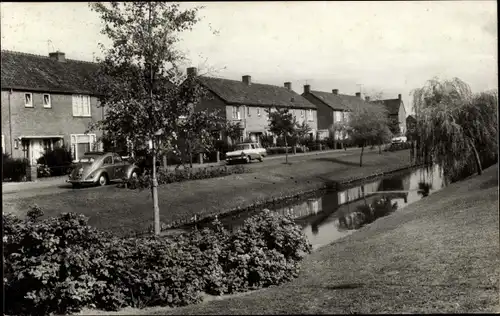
x: 40, y: 121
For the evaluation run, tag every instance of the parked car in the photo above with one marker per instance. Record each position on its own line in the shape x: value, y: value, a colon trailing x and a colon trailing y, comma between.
x: 101, y: 168
x: 399, y: 139
x: 246, y: 152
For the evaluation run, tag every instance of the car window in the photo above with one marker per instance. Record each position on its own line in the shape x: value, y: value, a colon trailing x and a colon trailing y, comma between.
x: 108, y: 161
x: 253, y: 146
x: 117, y: 159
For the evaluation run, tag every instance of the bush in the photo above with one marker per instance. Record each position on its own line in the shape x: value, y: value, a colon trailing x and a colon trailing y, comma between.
x: 14, y: 168
x: 266, y: 141
x: 58, y: 160
x: 60, y: 265
x: 399, y: 146
x: 184, y: 174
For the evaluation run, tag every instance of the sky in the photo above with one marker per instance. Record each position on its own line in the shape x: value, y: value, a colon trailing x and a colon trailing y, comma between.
x: 377, y: 47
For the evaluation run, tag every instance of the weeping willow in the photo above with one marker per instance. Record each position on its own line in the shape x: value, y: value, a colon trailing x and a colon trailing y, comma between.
x: 455, y: 128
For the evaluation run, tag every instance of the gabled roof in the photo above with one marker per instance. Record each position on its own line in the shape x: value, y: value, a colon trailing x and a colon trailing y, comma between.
x: 392, y: 105
x: 340, y: 102
x: 39, y: 73
x: 257, y: 94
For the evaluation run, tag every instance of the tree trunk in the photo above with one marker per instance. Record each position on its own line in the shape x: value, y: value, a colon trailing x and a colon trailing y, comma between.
x: 361, y: 156
x: 477, y: 158
x: 156, y: 208
x: 379, y: 148
x: 286, y: 151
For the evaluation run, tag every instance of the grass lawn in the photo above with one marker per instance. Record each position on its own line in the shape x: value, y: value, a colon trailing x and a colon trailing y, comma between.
x: 122, y: 210
x: 439, y: 255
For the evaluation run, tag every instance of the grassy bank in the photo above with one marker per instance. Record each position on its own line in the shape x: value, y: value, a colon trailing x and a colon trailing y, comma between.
x: 439, y: 255
x: 126, y: 210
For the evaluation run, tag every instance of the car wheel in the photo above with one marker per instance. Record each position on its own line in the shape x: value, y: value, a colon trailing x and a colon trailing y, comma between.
x: 247, y: 159
x: 103, y: 180
x: 133, y: 175
x: 261, y: 159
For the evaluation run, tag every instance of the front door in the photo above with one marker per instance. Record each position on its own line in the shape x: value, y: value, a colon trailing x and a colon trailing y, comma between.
x: 36, y: 150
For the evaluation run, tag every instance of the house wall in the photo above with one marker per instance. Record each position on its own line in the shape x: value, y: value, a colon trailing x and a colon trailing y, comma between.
x: 40, y: 121
x: 324, y: 112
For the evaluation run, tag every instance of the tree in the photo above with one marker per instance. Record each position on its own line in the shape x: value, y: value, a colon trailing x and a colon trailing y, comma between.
x: 368, y: 125
x: 337, y: 131
x: 282, y: 123
x: 300, y: 132
x: 138, y: 78
x: 234, y: 131
x: 456, y: 129
x: 195, y: 132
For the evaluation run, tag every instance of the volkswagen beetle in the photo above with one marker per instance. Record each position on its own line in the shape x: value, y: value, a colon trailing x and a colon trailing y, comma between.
x: 100, y: 168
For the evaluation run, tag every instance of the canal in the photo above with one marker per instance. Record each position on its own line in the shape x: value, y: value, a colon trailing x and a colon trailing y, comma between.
x: 322, y: 217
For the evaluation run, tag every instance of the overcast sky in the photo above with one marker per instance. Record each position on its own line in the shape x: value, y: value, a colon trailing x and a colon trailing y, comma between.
x: 389, y: 47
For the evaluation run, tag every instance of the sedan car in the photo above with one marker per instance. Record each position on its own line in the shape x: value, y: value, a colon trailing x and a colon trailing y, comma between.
x: 100, y: 168
x: 246, y: 152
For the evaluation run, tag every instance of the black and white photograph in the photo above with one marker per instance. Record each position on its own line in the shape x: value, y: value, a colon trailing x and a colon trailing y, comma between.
x: 253, y: 157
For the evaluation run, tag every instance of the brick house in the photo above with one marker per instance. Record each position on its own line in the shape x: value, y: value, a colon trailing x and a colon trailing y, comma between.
x: 397, y: 112
x: 47, y: 102
x: 332, y: 107
x: 246, y: 102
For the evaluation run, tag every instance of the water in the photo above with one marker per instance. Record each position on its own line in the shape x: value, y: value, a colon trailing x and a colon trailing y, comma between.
x: 319, y: 216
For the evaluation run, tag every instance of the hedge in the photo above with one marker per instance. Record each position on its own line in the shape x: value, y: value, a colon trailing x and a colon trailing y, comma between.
x: 14, y: 169
x: 184, y: 174
x: 61, y: 265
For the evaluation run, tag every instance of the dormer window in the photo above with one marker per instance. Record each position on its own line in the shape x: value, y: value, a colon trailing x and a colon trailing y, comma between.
x: 46, y: 101
x: 28, y: 100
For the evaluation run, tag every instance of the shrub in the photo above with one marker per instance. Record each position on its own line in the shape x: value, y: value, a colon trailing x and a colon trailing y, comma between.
x: 281, y: 150
x: 184, y: 174
x: 58, y: 160
x: 14, y: 168
x: 60, y: 265
x: 266, y: 141
x: 399, y: 146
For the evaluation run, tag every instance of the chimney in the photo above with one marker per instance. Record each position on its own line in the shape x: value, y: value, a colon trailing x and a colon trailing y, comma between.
x: 288, y: 85
x: 358, y: 94
x: 367, y: 98
x: 399, y: 96
x: 307, y: 88
x: 192, y: 72
x: 59, y: 56
x: 247, y: 80
x: 335, y: 91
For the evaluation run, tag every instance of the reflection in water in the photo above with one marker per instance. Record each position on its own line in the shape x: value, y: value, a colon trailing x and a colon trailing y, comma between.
x: 335, y: 214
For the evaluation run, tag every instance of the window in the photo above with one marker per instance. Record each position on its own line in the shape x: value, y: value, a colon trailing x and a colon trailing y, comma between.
x: 117, y: 159
x: 248, y: 111
x: 310, y: 115
x: 3, y: 144
x: 28, y: 100
x: 81, y: 143
x: 46, y: 101
x: 301, y: 113
x: 108, y: 161
x: 81, y: 105
x: 268, y: 116
x: 337, y: 115
x: 236, y: 113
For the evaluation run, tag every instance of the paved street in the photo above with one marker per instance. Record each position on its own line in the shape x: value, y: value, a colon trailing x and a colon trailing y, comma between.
x: 47, y: 186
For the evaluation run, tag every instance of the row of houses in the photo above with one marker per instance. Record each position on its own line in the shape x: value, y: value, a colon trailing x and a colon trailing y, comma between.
x: 47, y: 101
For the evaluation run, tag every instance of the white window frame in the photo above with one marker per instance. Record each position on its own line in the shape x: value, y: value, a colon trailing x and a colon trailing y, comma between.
x: 28, y: 105
x: 49, y: 104
x: 81, y: 104
x: 236, y: 113
x: 302, y: 113
x: 258, y: 111
x: 74, y: 142
x: 248, y: 111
